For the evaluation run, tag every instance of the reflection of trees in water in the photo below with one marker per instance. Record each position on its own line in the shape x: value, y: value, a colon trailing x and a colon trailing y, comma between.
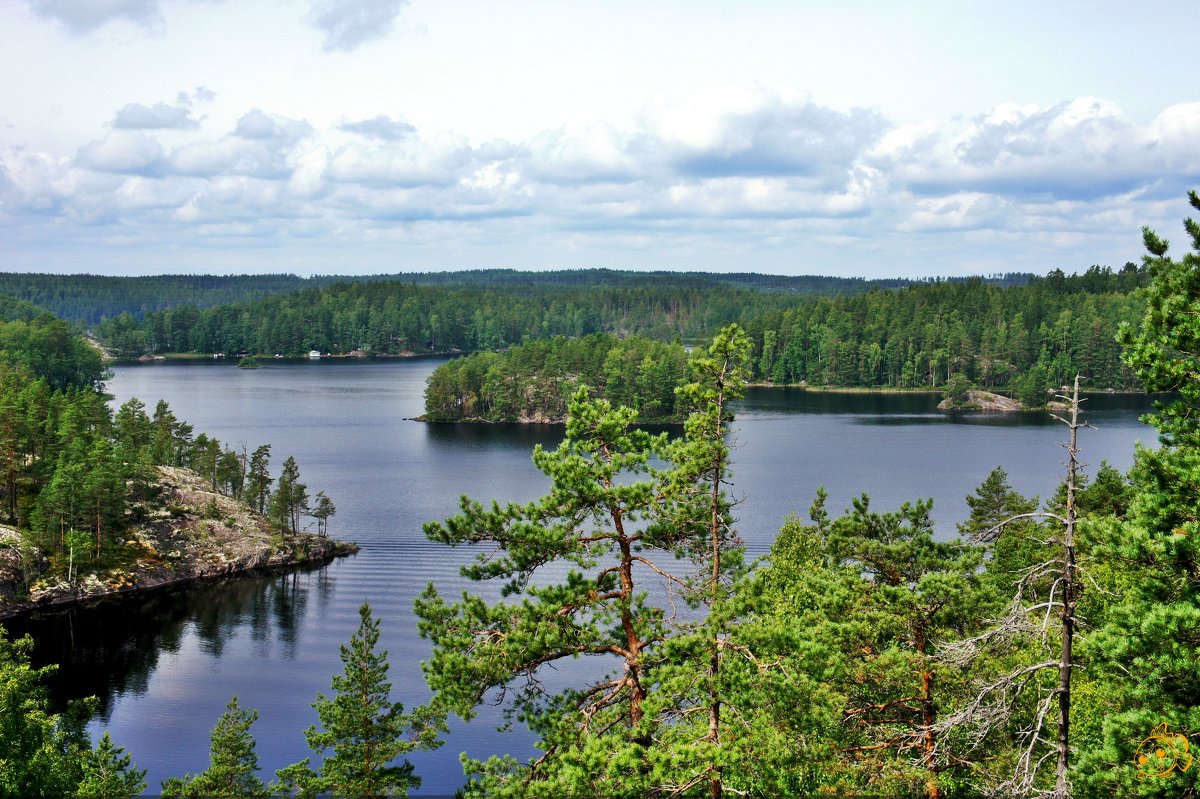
x: 112, y: 647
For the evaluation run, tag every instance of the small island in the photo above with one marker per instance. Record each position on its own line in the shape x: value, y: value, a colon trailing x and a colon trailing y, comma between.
x: 532, y: 382
x: 976, y: 400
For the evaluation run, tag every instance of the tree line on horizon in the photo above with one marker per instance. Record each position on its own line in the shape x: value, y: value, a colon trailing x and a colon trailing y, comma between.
x: 1023, y: 337
x: 1028, y: 340
x: 90, y: 299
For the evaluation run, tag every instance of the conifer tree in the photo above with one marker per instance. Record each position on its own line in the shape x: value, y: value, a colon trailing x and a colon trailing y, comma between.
x: 233, y: 763
x: 290, y: 499
x: 107, y: 773
x: 41, y: 753
x: 595, y: 525
x: 700, y: 516
x: 322, y: 511
x: 618, y: 525
x: 258, y: 479
x: 363, y: 731
x: 1150, y: 648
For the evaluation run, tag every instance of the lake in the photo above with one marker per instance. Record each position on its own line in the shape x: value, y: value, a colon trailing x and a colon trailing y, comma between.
x: 164, y: 666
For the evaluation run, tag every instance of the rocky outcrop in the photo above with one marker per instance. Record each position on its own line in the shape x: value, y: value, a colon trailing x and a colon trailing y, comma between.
x: 983, y: 401
x: 19, y: 563
x: 187, y: 532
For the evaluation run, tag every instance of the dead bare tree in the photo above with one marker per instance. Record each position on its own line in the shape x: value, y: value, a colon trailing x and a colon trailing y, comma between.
x: 1029, y: 617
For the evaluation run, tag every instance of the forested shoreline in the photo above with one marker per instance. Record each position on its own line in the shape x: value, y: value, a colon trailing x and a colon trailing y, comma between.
x: 76, y: 477
x: 533, y: 382
x: 1026, y: 339
x: 1024, y: 336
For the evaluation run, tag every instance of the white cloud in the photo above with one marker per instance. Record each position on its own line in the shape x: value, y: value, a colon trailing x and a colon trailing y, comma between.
x: 380, y: 127
x: 257, y: 125
x: 308, y: 175
x: 85, y: 16
x: 160, y: 116
x: 124, y: 152
x: 783, y: 139
x: 200, y: 94
x: 759, y: 180
x: 407, y: 164
x: 348, y: 24
x: 1085, y: 149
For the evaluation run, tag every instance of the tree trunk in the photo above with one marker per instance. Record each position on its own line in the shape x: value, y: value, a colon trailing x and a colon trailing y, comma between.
x: 1061, y: 786
x: 928, y: 716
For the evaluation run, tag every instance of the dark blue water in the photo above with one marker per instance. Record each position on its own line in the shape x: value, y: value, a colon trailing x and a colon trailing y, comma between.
x: 165, y: 666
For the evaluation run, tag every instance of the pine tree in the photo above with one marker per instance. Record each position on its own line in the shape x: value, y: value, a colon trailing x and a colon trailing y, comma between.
x: 1150, y: 648
x: 107, y: 773
x: 701, y: 517
x: 290, y: 499
x: 258, y: 479
x: 616, y: 524
x: 594, y: 523
x: 233, y: 763
x: 41, y: 753
x: 322, y: 511
x: 361, y: 728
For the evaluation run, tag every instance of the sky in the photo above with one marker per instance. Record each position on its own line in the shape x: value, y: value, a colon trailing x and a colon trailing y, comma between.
x: 874, y: 139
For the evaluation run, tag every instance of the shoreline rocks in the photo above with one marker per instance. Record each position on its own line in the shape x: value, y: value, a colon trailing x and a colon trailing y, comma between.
x: 983, y: 401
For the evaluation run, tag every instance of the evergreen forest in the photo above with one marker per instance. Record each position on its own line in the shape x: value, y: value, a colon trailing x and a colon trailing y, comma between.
x: 1024, y: 335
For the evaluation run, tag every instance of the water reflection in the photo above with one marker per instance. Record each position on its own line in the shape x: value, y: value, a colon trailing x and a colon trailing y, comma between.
x: 110, y: 648
x: 895, y: 409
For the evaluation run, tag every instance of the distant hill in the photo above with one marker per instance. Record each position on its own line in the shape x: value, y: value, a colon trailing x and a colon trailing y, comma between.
x: 92, y: 298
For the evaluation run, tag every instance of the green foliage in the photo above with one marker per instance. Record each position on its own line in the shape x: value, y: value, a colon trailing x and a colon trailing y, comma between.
x: 258, y: 479
x: 1148, y: 650
x: 322, y: 511
x: 44, y: 754
x: 107, y: 773
x: 823, y: 331
x: 535, y: 380
x: 49, y: 349
x: 958, y: 390
x: 233, y: 763
x: 609, y: 519
x: 1033, y: 388
x: 597, y: 521
x: 361, y: 728
x: 125, y: 300
x: 1027, y: 337
x: 290, y: 499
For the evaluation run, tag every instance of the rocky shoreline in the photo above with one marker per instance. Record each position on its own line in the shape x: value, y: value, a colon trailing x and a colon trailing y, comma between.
x: 993, y: 403
x: 186, y: 533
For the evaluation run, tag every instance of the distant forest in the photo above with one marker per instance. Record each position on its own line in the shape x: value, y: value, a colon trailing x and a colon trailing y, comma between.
x: 91, y: 299
x: 1017, y: 331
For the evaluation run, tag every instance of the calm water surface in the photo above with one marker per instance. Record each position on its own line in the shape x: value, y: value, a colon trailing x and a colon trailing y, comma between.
x: 165, y: 666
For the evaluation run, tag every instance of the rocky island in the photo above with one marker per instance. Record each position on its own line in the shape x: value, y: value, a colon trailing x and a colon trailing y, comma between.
x: 975, y: 400
x: 187, y: 532
x: 982, y: 401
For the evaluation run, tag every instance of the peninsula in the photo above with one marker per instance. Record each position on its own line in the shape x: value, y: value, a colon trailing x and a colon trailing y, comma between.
x: 185, y: 532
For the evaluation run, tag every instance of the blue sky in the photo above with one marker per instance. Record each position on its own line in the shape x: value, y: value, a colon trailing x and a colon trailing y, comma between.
x: 359, y: 136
